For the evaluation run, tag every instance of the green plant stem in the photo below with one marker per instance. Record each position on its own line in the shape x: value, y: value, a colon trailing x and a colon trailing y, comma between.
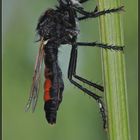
x: 111, y: 32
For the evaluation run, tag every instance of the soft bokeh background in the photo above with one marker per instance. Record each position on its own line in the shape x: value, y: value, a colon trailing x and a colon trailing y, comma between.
x: 78, y: 117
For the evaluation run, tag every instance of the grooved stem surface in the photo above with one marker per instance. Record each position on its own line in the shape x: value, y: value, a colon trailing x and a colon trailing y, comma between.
x: 111, y: 32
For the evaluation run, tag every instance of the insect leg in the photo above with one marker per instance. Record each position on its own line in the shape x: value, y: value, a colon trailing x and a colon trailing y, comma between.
x: 101, y: 45
x: 72, y: 66
x: 82, y: 1
x: 71, y: 70
x: 97, y: 13
x: 99, y: 87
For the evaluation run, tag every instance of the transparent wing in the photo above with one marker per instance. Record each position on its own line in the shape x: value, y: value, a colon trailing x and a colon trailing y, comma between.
x: 36, y: 79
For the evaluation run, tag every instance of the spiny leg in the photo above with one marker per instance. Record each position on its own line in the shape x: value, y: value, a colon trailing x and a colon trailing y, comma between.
x: 72, y: 66
x: 99, y: 87
x: 101, y: 45
x: 97, y: 13
x: 74, y: 59
x: 71, y: 71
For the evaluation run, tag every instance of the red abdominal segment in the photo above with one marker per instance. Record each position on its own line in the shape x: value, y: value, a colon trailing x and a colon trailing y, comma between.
x: 47, y: 87
x: 47, y: 84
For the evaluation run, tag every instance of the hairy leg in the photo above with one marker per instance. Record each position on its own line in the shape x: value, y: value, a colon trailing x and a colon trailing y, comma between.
x: 96, y: 13
x: 101, y: 45
x: 71, y: 71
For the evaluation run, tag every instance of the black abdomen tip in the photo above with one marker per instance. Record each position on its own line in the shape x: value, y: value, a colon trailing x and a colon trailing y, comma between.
x: 50, y: 108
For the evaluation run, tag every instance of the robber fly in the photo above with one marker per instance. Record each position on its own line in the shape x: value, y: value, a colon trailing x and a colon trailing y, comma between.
x: 56, y: 27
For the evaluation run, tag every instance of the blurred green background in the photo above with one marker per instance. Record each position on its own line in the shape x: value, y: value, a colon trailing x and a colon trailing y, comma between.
x: 78, y: 116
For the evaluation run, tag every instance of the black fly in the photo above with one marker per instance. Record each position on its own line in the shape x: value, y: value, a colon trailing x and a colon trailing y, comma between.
x: 56, y: 27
